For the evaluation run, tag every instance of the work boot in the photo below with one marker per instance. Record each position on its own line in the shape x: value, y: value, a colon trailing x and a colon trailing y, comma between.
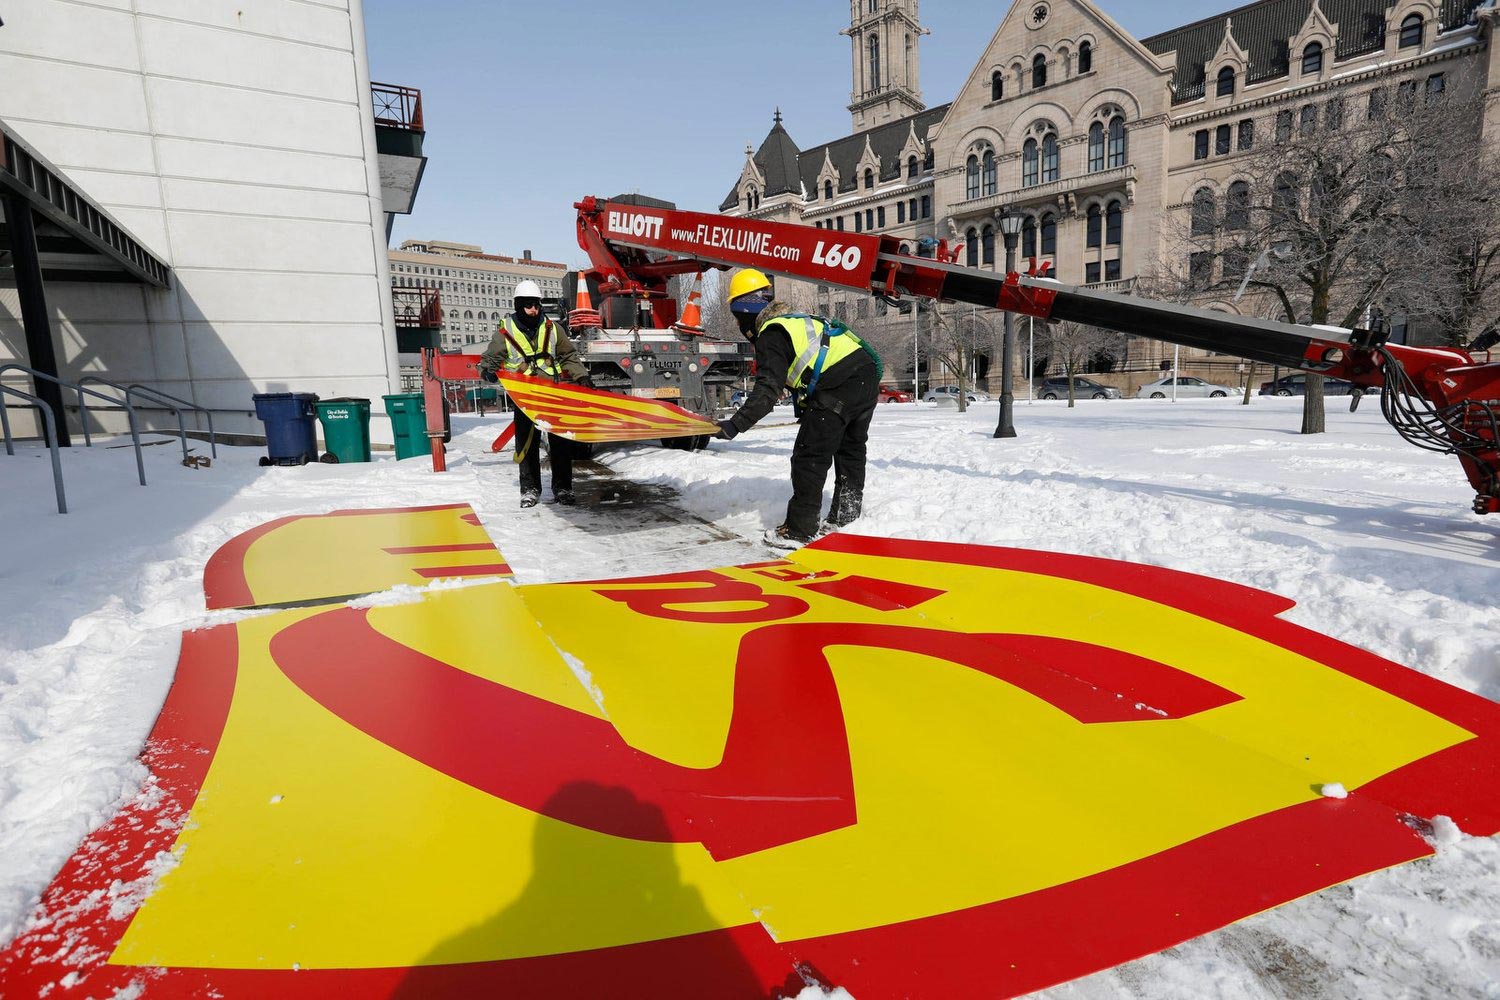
x: 529, y: 498
x: 565, y: 497
x: 782, y: 537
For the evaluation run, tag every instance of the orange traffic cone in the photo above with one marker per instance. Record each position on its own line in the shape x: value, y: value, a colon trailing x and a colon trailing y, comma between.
x: 584, y: 314
x: 692, y: 313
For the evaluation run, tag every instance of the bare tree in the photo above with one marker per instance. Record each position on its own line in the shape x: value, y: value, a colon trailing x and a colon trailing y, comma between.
x: 1334, y: 209
x: 1076, y: 346
x: 959, y: 335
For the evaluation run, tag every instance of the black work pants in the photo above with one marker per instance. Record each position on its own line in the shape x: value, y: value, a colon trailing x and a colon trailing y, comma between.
x: 528, y: 444
x: 835, y: 429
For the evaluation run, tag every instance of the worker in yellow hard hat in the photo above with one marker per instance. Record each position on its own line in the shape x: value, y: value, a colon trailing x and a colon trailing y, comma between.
x: 835, y: 378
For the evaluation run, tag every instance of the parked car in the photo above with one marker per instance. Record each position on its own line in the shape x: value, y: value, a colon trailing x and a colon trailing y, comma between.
x: 889, y: 395
x: 951, y: 392
x: 737, y: 398
x: 1296, y: 385
x: 1083, y: 388
x: 1188, y: 387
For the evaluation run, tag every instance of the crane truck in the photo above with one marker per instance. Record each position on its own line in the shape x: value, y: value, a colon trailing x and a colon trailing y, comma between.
x: 1444, y: 399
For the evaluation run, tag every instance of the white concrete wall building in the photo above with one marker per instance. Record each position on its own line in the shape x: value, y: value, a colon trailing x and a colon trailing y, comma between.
x: 236, y: 140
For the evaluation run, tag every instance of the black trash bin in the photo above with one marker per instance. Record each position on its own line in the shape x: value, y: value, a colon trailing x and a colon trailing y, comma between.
x: 290, y: 435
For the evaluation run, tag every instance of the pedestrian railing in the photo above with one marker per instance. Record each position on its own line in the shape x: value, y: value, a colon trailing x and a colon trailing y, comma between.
x: 51, y: 429
x: 177, y: 405
x: 83, y: 391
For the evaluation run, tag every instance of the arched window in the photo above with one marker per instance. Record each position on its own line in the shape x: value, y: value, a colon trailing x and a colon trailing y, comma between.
x: 1095, y: 226
x: 987, y: 172
x: 1096, y: 147
x: 1039, y: 72
x: 1049, y: 236
x: 1286, y: 199
x: 911, y: 168
x: 1312, y: 58
x: 828, y: 190
x: 874, y: 82
x: 1085, y: 57
x: 997, y: 85
x: 468, y: 314
x: 1117, y: 141
x: 1411, y: 32
x: 1237, y: 206
x: 1028, y: 237
x: 1112, y: 224
x: 971, y: 177
x: 1049, y: 158
x: 1030, y: 161
x: 1203, y: 212
x: 987, y: 245
x: 1225, y: 86
x: 971, y: 247
x: 869, y: 178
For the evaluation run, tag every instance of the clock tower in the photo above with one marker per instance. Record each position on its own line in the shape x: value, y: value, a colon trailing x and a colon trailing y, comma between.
x: 883, y: 36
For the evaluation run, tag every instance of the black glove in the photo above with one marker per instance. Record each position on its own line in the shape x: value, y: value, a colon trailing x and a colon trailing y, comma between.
x: 727, y: 430
x: 488, y: 376
x: 584, y: 380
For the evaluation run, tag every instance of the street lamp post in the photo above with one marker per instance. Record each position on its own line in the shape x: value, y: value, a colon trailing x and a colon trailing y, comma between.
x: 1010, y: 229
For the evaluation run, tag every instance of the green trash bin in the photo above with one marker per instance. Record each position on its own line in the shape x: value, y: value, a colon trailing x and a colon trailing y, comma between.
x: 346, y: 428
x: 408, y: 413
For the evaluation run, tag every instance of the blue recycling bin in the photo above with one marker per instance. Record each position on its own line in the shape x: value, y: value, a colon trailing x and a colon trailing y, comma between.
x: 289, y: 419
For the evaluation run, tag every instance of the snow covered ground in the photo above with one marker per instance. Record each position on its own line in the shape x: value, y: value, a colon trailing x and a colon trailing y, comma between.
x: 1370, y: 536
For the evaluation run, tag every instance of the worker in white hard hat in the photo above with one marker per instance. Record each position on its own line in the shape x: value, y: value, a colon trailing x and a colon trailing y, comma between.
x: 529, y: 343
x: 834, y: 378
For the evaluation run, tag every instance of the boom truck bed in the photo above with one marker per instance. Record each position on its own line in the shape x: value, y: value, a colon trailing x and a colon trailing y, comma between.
x: 1440, y: 398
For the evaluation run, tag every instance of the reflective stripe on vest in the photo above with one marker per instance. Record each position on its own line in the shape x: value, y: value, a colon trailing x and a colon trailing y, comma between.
x: 521, y: 357
x: 807, y: 340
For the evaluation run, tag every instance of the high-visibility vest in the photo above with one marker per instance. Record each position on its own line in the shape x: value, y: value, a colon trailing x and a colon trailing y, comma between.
x: 527, y: 357
x: 817, y: 345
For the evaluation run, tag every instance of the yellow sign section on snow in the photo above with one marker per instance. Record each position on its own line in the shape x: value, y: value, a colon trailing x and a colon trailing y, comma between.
x: 316, y: 845
x: 358, y: 552
x: 969, y: 789
x: 596, y: 417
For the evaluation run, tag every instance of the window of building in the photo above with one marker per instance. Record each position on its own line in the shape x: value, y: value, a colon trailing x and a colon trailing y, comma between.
x: 859, y: 219
x: 1049, y: 236
x: 1200, y: 144
x: 1247, y: 133
x: 1237, y: 206
x: 1312, y: 59
x: 1377, y: 105
x: 987, y: 172
x: 1203, y: 212
x: 911, y: 168
x: 1095, y: 228
x: 1112, y: 270
x: 839, y: 223
x: 1028, y: 237
x: 1411, y: 32
x: 869, y: 218
x: 1091, y: 272
x: 1333, y: 115
x: 1200, y: 269
x: 1236, y: 262
x: 1049, y: 158
x: 880, y: 217
x: 1096, y: 147
x: 928, y: 160
x: 971, y: 247
x: 874, y: 82
x: 900, y: 212
x: 1285, y: 198
x: 1283, y: 126
x: 987, y: 245
x: 1112, y: 223
x: 1435, y: 86
x: 828, y: 190
x: 1116, y: 141
x: 1406, y: 94
x: 1225, y: 85
x: 997, y: 85
x: 971, y: 177
x: 1221, y: 140
x: 926, y: 206
x: 1085, y: 57
x: 1030, y: 163
x: 869, y: 179
x: 1307, y: 122
x: 911, y: 209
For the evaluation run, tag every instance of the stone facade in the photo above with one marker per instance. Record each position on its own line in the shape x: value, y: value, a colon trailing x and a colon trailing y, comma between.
x: 477, y: 289
x: 1098, y: 137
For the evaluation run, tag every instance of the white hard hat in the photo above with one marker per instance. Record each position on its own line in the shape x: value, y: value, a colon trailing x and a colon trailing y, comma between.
x: 528, y: 289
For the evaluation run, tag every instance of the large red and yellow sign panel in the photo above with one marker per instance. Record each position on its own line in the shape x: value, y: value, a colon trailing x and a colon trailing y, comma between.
x: 594, y: 416
x: 907, y: 768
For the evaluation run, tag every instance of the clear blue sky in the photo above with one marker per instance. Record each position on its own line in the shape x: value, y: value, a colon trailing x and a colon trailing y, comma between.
x: 530, y: 107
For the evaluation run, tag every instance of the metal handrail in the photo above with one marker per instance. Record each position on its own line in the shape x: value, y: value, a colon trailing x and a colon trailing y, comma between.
x: 78, y: 387
x: 169, y: 399
x: 50, y: 423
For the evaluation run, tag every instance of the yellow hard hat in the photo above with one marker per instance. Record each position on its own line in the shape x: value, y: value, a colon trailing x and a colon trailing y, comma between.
x: 745, y: 281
